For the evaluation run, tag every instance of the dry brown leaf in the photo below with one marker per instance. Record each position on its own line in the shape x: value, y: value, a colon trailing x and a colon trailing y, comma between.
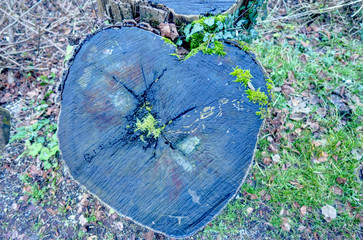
x: 51, y: 211
x: 304, y: 44
x: 296, y: 204
x: 301, y: 228
x: 276, y: 158
x: 341, y: 180
x: 303, y: 210
x: 119, y: 226
x: 291, y: 76
x: 329, y: 213
x: 82, y: 220
x: 266, y: 197
x: 297, y: 116
x: 337, y: 191
x: 168, y: 30
x: 149, y: 235
x: 253, y: 197
x: 249, y: 210
x: 285, y: 226
x: 267, y: 160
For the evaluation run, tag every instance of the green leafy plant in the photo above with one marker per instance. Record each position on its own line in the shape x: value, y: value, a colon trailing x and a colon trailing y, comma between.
x: 40, y: 141
x: 45, y: 80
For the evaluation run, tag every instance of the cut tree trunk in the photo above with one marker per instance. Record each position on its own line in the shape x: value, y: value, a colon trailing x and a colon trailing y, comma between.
x: 164, y: 142
x: 4, y: 127
x: 161, y: 11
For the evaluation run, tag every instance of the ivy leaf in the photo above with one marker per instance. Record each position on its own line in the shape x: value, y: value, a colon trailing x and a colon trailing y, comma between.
x: 241, y: 22
x: 219, y: 26
x: 34, y: 149
x: 187, y: 30
x: 209, y: 21
x: 44, y: 154
x: 197, y: 28
x: 47, y: 165
x: 206, y: 37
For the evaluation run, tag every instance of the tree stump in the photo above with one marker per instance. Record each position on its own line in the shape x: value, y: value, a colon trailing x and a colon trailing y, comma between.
x: 161, y: 11
x: 4, y: 127
x: 164, y: 142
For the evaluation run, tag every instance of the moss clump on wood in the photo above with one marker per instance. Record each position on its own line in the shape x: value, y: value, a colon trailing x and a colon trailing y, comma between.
x: 149, y: 125
x: 243, y: 76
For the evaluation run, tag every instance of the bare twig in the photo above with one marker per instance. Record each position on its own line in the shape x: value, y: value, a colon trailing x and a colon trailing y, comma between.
x: 20, y: 17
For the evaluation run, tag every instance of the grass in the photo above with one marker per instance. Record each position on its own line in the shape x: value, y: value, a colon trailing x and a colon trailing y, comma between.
x: 306, y: 170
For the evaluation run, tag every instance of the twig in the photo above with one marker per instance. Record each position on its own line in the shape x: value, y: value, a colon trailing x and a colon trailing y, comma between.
x: 320, y: 11
x: 21, y: 16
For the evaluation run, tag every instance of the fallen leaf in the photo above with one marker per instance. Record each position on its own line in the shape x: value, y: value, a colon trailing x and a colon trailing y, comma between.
x: 303, y: 210
x: 337, y: 191
x: 303, y: 58
x: 323, y: 157
x: 276, y: 158
x: 168, y: 30
x: 329, y: 213
x: 249, y: 210
x: 82, y: 220
x: 290, y: 126
x: 297, y: 116
x: 285, y: 226
x: 314, y: 28
x: 267, y: 197
x: 296, y: 204
x: 93, y: 237
x: 341, y: 180
x: 149, y: 235
x: 304, y: 44
x: 291, y: 76
x: 301, y: 228
x: 296, y: 184
x: 119, y: 226
x: 357, y: 153
x: 253, y: 197
x: 267, y: 160
x: 15, y: 206
x: 51, y: 211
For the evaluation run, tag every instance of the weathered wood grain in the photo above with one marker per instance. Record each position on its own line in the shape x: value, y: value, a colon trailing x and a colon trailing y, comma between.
x: 177, y: 182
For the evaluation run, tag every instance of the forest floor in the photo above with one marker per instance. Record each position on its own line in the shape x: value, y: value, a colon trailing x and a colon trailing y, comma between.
x: 307, y: 177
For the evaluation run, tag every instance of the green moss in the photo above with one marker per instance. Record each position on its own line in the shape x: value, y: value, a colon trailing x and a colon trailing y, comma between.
x: 218, y: 48
x: 243, y: 76
x: 257, y: 96
x: 149, y: 125
x: 168, y: 41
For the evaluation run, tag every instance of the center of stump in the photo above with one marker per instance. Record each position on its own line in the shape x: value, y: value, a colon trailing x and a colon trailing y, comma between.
x: 147, y: 127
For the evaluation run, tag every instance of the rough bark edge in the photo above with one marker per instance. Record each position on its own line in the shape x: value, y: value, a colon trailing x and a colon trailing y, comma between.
x: 67, y: 170
x: 110, y: 6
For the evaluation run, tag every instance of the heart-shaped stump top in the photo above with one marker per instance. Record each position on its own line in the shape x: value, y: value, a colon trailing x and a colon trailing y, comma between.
x: 164, y: 142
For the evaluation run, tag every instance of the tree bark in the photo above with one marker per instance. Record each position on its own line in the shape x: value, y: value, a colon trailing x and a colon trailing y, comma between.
x: 162, y: 11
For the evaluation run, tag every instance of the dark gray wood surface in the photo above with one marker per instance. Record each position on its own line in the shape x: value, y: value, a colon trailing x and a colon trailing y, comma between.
x: 177, y: 182
x: 197, y: 7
